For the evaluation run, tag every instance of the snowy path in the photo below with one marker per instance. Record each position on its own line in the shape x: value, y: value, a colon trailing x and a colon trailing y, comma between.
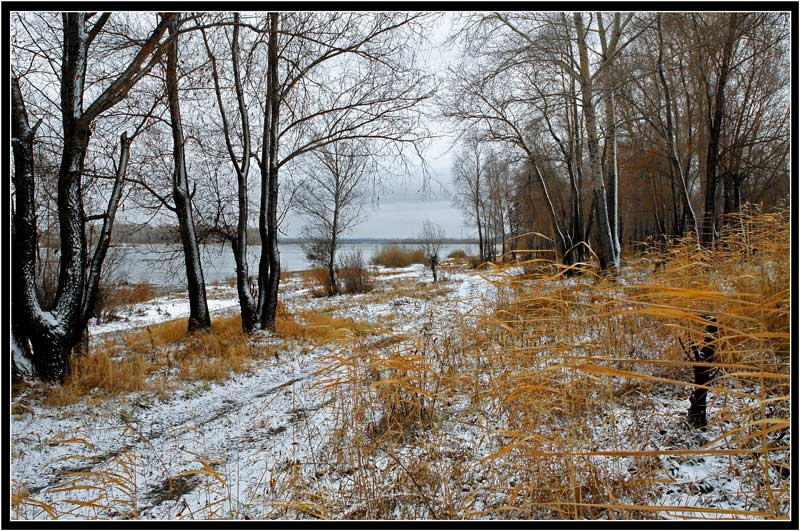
x: 250, y: 421
x: 210, y: 447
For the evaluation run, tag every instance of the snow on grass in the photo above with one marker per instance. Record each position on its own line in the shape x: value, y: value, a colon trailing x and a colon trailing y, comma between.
x: 262, y: 443
x: 164, y: 309
x: 250, y: 429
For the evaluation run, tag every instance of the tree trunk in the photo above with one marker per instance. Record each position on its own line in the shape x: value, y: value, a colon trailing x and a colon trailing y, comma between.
x: 199, y: 317
x: 609, y: 259
x: 239, y: 241
x: 332, y: 288
x: 715, y: 130
x: 270, y: 255
x: 561, y: 242
x: 103, y: 242
x: 704, y: 353
x: 52, y: 334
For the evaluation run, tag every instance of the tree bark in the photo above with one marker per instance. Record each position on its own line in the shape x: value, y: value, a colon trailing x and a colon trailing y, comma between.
x: 103, y: 242
x: 270, y: 267
x: 704, y: 353
x: 715, y: 129
x: 242, y: 168
x: 334, y: 241
x: 199, y: 317
x: 49, y: 335
x: 609, y: 259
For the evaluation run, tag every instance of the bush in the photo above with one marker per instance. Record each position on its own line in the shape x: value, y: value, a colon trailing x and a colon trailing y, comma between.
x: 457, y: 254
x: 110, y: 299
x: 353, y: 276
x: 317, y: 280
x: 395, y: 256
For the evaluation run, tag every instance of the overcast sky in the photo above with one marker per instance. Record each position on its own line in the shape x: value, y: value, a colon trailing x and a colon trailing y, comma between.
x: 409, y: 199
x: 412, y: 194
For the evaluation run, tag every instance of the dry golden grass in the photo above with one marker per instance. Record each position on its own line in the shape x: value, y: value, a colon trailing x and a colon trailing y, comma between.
x: 319, y: 328
x: 112, y: 368
x: 215, y: 354
x: 156, y: 335
x: 106, y: 371
x: 567, y: 389
x: 397, y: 256
x: 571, y: 382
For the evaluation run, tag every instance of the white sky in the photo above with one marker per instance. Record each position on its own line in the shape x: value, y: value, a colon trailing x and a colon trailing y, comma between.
x: 406, y: 200
x: 409, y: 200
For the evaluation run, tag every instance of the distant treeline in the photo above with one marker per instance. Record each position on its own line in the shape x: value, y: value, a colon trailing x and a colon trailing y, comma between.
x: 137, y: 234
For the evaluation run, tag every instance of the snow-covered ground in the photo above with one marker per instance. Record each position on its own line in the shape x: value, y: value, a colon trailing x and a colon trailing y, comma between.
x: 161, y: 456
x: 261, y: 444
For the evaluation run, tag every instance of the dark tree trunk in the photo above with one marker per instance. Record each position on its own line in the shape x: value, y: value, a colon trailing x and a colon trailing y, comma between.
x: 242, y: 167
x: 49, y: 335
x: 332, y: 287
x: 103, y: 242
x: 199, y: 317
x: 703, y: 353
x: 715, y: 130
x: 52, y: 334
x: 270, y: 267
x: 736, y: 193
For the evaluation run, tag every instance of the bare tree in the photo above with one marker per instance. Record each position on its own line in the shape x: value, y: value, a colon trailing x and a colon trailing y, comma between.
x: 321, y: 99
x: 241, y: 165
x: 468, y: 178
x: 431, y: 238
x: 199, y: 318
x: 669, y: 132
x: 333, y: 199
x: 53, y: 332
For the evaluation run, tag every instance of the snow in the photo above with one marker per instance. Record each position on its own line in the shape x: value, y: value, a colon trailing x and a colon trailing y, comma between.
x: 240, y: 448
x: 164, y: 309
x: 251, y: 427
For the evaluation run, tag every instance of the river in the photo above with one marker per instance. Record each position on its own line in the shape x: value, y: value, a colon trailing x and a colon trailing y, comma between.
x: 162, y: 264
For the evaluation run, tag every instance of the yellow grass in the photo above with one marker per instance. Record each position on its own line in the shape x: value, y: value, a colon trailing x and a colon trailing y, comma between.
x: 319, y: 328
x: 105, y: 371
x: 550, y: 362
x: 397, y: 256
x: 568, y: 391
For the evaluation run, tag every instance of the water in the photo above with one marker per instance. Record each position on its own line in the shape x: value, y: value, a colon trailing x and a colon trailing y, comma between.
x: 163, y: 265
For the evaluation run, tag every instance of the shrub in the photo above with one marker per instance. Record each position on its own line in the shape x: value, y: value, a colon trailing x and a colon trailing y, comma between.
x: 217, y: 353
x: 318, y: 281
x: 396, y: 256
x: 156, y: 335
x: 103, y: 369
x: 457, y: 254
x: 110, y: 299
x: 353, y: 276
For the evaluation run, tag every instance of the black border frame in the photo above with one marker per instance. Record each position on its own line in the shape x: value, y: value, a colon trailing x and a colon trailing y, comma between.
x: 353, y: 5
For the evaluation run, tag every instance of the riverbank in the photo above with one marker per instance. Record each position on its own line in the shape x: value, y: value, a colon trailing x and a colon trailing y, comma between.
x: 496, y: 393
